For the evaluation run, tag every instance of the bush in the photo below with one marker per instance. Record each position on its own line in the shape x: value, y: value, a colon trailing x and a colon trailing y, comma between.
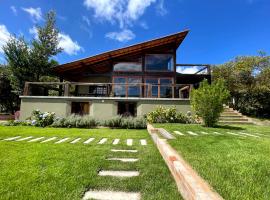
x: 18, y: 123
x: 168, y: 115
x: 208, y: 100
x: 75, y: 121
x: 126, y: 122
x: 42, y: 119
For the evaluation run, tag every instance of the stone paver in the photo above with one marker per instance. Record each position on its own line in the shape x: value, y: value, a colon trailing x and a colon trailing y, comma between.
x: 124, y: 150
x: 23, y: 139
x: 250, y: 135
x: 118, y: 173
x: 217, y: 133
x: 36, y: 139
x: 204, y: 133
x: 235, y: 134
x: 192, y: 133
x: 143, y: 142
x: 75, y: 141
x: 61, y: 141
x: 116, y: 141
x: 12, y: 138
x: 89, y: 140
x: 178, y: 133
x: 129, y: 142
x: 102, y: 141
x: 48, y: 140
x: 123, y: 159
x: 111, y: 195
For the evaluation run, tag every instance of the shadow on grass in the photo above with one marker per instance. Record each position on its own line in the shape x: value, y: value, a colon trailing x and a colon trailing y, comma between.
x: 229, y: 127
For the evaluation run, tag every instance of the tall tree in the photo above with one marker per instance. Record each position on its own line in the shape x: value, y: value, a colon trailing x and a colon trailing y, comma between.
x: 30, y: 61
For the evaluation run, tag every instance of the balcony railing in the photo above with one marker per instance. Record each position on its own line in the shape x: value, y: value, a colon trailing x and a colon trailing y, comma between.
x: 78, y: 89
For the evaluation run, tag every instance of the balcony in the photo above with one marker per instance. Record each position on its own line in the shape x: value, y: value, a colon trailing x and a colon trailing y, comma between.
x: 132, y: 90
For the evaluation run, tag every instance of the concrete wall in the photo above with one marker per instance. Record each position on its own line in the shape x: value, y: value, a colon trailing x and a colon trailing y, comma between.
x: 59, y: 106
x: 99, y: 108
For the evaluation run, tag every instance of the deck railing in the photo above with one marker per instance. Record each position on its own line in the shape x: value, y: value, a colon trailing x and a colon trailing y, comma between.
x: 79, y: 89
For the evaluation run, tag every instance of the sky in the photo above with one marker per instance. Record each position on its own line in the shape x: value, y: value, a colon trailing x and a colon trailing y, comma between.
x: 220, y: 30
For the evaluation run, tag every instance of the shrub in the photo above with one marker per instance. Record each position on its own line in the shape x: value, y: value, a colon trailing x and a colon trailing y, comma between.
x: 18, y: 123
x: 42, y: 118
x: 168, y: 115
x: 126, y: 122
x: 207, y: 101
x: 75, y: 121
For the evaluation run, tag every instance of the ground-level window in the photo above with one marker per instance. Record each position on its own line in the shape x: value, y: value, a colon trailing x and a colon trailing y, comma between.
x: 127, y: 109
x: 80, y: 108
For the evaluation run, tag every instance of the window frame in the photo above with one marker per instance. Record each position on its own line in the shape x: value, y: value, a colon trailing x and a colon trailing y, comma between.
x: 127, y: 84
x: 166, y: 71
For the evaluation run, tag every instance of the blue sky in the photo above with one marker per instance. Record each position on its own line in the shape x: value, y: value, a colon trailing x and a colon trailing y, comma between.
x: 219, y: 29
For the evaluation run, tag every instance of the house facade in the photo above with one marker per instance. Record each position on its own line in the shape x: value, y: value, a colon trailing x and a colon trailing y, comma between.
x: 130, y: 81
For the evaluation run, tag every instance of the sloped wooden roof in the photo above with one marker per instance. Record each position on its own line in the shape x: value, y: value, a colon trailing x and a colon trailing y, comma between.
x: 173, y: 40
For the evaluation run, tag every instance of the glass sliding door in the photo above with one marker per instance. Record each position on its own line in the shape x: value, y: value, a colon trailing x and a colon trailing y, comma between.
x: 165, y: 88
x: 127, y: 86
x: 159, y: 87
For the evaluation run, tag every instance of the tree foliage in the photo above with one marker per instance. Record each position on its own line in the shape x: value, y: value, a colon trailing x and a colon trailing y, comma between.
x: 207, y: 101
x: 248, y: 80
x: 29, y: 61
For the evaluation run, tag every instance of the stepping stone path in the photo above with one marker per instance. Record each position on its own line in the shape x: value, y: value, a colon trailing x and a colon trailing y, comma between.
x: 129, y: 142
x: 36, y: 139
x: 124, y: 159
x: 217, y: 133
x: 205, y: 133
x: 23, y: 139
x: 192, y: 133
x: 61, y: 141
x: 116, y: 141
x: 143, y: 142
x: 178, y: 133
x: 119, y: 173
x: 13, y: 138
x: 89, y: 140
x: 103, y: 195
x: 124, y: 150
x: 102, y: 141
x: 75, y: 141
x: 48, y: 140
x: 30, y: 139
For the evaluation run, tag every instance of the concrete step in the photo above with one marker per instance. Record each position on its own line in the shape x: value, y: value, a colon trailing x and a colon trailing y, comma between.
x: 233, y: 119
x: 231, y: 116
x: 235, y: 122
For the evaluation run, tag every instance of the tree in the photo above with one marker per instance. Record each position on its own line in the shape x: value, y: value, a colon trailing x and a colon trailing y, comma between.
x: 30, y: 61
x: 8, y: 100
x: 207, y: 101
x: 248, y: 80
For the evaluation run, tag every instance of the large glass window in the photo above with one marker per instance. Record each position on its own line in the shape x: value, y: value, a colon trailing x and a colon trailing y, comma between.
x: 127, y: 86
x: 158, y: 87
x: 159, y: 62
x: 128, y: 67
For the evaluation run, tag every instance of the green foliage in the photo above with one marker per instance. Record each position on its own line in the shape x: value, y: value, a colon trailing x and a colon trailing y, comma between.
x: 42, y: 119
x: 8, y: 100
x: 168, y: 115
x: 248, y: 80
x: 75, y: 121
x: 126, y: 122
x: 207, y: 101
x: 29, y: 61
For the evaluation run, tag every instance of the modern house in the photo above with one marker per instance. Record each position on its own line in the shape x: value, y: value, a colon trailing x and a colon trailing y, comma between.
x: 127, y: 81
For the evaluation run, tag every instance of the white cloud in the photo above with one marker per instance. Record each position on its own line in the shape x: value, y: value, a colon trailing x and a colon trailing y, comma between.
x: 14, y: 10
x: 86, y: 20
x: 188, y: 70
x: 161, y: 10
x: 35, y: 13
x: 122, y: 36
x: 144, y: 25
x: 124, y: 12
x: 68, y: 45
x: 4, y: 36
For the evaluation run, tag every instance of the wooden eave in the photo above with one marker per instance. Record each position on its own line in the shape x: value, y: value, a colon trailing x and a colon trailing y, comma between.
x: 173, y: 40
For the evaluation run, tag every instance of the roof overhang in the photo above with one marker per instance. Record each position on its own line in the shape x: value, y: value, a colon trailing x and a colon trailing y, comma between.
x: 173, y: 40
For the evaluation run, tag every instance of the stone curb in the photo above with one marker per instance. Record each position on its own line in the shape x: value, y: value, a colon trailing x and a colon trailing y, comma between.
x: 189, y: 183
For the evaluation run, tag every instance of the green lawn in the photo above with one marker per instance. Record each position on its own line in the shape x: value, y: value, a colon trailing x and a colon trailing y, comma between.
x: 66, y: 171
x: 237, y: 167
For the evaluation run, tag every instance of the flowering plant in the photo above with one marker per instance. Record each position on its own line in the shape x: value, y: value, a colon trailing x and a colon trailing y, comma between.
x: 42, y: 118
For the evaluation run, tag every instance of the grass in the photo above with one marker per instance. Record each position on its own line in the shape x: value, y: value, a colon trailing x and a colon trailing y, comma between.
x: 66, y: 171
x: 237, y: 168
